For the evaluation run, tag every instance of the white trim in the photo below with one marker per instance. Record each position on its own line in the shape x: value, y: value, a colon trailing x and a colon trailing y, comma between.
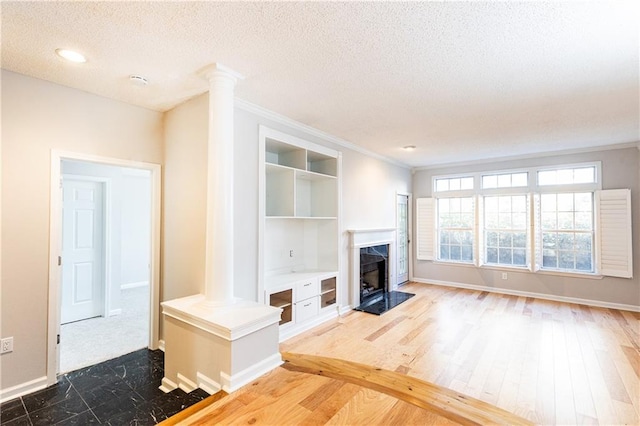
x: 528, y: 156
x: 185, y: 384
x: 115, y: 312
x: 273, y: 116
x: 231, y: 383
x: 207, y: 384
x: 134, y: 285
x: 23, y: 389
x: 552, y: 297
x: 167, y: 385
x: 55, y: 238
x: 161, y: 344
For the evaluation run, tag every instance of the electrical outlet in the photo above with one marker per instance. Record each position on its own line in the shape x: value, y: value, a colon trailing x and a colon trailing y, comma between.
x: 290, y: 253
x: 6, y: 345
x: 504, y: 275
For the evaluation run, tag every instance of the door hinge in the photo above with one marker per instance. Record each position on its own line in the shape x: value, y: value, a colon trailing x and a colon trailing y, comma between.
x: 59, y: 260
x: 58, y: 340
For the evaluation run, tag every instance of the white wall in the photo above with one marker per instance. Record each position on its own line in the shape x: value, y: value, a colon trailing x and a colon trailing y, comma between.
x: 620, y: 169
x: 39, y: 116
x: 369, y: 196
x: 130, y: 230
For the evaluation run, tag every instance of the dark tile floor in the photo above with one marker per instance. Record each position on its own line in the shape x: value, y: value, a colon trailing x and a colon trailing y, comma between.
x: 121, y: 391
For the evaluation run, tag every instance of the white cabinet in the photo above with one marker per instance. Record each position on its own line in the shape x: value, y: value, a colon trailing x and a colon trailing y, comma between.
x: 300, y: 209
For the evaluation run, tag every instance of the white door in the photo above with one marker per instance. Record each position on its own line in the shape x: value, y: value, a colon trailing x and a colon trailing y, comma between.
x: 403, y: 239
x: 82, y: 250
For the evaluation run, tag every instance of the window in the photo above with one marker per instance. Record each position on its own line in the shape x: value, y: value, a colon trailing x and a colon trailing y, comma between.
x: 505, y: 180
x: 566, y: 228
x: 455, y: 223
x: 568, y: 176
x: 453, y: 184
x: 505, y: 230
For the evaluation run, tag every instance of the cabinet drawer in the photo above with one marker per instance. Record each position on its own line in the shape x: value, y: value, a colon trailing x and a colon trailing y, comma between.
x: 306, y: 289
x: 307, y: 309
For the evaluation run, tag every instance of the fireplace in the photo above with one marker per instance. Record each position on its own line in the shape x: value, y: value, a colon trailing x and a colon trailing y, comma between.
x: 372, y: 276
x: 374, y: 271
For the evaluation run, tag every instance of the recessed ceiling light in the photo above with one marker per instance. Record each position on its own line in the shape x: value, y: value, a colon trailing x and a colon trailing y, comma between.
x: 138, y: 80
x: 70, y: 55
x: 409, y: 147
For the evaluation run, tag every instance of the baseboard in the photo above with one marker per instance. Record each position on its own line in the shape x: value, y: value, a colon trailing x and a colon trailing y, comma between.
x: 23, y: 389
x: 134, y: 285
x: 114, y: 312
x: 185, y: 384
x: 207, y: 384
x: 236, y: 381
x: 161, y: 344
x: 553, y: 297
x: 167, y: 385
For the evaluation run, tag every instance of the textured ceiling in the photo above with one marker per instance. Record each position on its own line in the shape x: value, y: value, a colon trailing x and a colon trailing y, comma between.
x: 462, y: 81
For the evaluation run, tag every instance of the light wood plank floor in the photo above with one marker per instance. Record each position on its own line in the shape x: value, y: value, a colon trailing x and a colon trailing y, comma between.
x: 548, y: 362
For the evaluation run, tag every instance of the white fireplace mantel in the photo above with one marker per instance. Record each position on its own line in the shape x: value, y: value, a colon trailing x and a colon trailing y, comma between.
x: 359, y: 238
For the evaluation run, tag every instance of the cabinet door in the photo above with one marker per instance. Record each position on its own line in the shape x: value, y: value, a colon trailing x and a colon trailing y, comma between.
x: 328, y: 292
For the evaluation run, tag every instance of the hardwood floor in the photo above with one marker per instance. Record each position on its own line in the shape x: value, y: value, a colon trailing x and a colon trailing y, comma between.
x: 548, y: 362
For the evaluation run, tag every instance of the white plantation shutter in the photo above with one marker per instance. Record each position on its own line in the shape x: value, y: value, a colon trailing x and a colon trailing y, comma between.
x: 425, y: 225
x: 613, y: 215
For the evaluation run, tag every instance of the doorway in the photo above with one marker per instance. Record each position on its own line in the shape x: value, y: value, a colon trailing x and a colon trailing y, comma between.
x: 104, y: 268
x: 402, y: 237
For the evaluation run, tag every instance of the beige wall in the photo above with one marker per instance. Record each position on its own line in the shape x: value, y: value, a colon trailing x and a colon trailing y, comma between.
x: 620, y: 169
x: 37, y: 117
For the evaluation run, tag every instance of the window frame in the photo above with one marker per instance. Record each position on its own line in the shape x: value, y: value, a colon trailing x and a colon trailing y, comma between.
x: 534, y: 249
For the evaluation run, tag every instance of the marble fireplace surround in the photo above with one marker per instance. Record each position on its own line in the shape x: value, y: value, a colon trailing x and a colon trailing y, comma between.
x: 359, y: 238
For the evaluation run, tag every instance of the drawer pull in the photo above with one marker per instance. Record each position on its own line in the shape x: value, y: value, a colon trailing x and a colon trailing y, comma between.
x: 307, y: 285
x: 307, y: 305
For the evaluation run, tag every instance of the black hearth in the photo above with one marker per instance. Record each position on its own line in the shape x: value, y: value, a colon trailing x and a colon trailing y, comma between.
x: 375, y: 297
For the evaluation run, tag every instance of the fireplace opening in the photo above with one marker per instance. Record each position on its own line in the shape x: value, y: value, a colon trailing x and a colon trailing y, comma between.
x: 375, y: 295
x: 373, y: 272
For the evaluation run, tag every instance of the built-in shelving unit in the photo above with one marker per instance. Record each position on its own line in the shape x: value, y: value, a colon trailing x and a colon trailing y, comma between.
x: 299, y: 229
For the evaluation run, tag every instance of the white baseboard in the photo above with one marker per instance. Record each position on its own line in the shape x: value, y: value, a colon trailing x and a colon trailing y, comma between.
x: 161, y: 344
x: 553, y: 297
x: 134, y: 285
x: 23, y: 389
x: 185, y: 384
x: 249, y: 374
x: 114, y: 312
x: 207, y: 384
x: 167, y: 385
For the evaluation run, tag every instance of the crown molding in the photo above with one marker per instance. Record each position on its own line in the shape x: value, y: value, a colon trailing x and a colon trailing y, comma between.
x: 527, y: 156
x: 279, y: 118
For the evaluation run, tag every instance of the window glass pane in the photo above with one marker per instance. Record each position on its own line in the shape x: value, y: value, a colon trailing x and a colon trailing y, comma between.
x: 549, y: 220
x: 583, y: 262
x: 583, y: 221
x: 466, y: 205
x: 565, y: 177
x: 519, y: 257
x: 549, y: 259
x: 519, y: 179
x: 491, y: 204
x: 566, y: 260
x: 454, y: 184
x: 565, y: 241
x: 519, y: 204
x: 583, y: 242
x: 583, y: 202
x: 455, y: 227
x: 504, y: 181
x: 454, y: 204
x: 548, y: 202
x: 504, y: 239
x: 565, y: 202
x: 492, y: 255
x: 467, y: 253
x: 466, y: 183
x: 565, y: 220
x: 519, y: 220
x: 489, y: 182
x: 442, y: 185
x: 547, y: 177
x: 504, y: 204
x: 492, y: 239
x: 504, y: 255
x: 504, y: 220
x: 584, y: 175
x: 520, y: 240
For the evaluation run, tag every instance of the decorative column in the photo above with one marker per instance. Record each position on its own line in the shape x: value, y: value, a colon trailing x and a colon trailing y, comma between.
x: 219, y: 238
x: 212, y: 340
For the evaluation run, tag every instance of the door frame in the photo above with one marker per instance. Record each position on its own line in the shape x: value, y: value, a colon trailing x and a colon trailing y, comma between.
x: 409, y: 232
x: 55, y: 245
x: 106, y: 238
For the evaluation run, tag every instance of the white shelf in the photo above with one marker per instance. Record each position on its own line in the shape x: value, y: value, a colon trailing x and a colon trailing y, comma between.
x: 301, y: 229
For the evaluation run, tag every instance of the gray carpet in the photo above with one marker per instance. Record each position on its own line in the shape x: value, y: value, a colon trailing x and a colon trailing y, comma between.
x: 94, y: 340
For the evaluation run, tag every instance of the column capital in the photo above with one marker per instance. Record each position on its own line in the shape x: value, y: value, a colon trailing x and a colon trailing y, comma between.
x: 216, y: 70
